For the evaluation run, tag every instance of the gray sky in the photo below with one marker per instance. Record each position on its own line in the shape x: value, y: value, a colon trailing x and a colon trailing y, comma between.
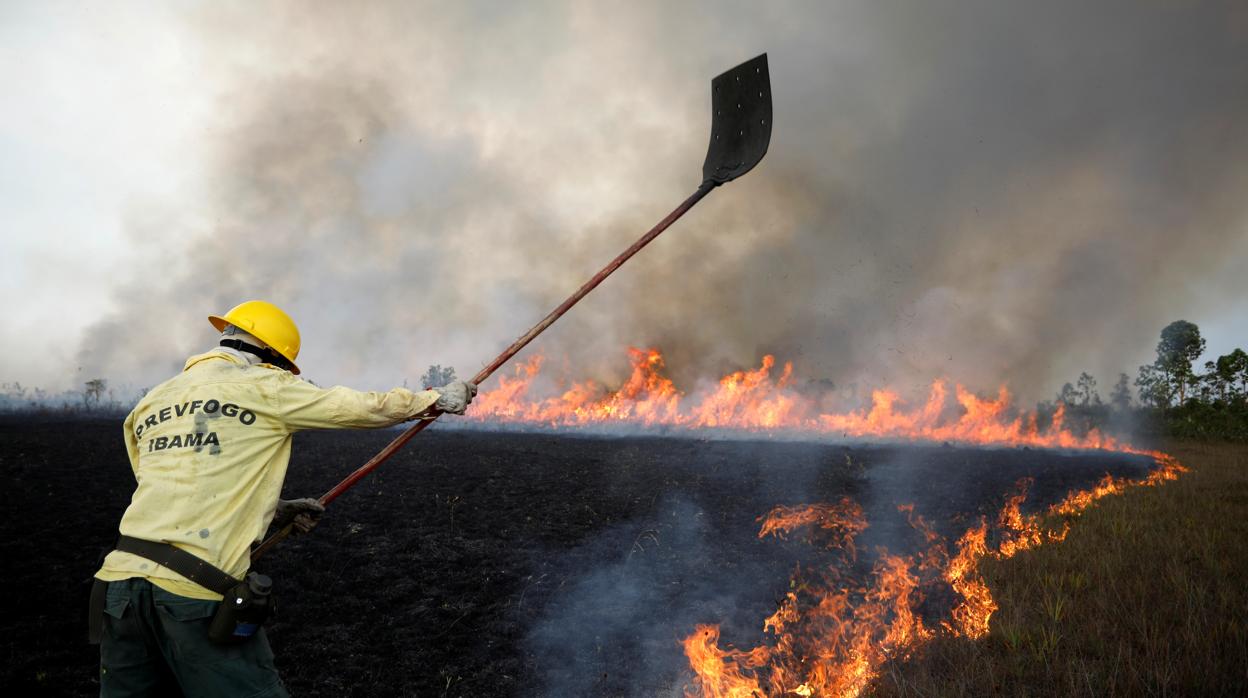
x: 992, y: 192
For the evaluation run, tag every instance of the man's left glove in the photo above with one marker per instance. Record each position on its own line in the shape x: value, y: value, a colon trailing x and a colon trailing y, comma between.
x: 455, y: 396
x: 303, y: 513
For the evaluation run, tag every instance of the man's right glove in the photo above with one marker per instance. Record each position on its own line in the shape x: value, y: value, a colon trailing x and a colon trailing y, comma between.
x: 303, y: 513
x: 455, y: 396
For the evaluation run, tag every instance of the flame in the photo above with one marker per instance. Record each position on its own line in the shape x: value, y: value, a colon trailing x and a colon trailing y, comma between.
x: 759, y: 399
x: 1021, y: 532
x: 970, y: 616
x: 831, y: 631
x: 837, y: 624
x: 721, y: 671
x: 841, y: 522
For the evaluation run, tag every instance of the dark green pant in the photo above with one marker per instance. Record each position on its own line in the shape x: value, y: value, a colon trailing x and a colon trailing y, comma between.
x: 155, y: 643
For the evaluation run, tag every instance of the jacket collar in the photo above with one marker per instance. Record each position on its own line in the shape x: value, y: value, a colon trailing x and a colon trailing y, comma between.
x: 233, y: 356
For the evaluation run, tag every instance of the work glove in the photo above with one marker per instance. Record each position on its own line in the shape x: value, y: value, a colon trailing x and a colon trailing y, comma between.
x: 455, y: 396
x: 303, y: 513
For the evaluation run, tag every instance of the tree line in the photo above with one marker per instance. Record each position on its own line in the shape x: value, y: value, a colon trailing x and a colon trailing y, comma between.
x: 1171, y: 380
x: 1173, y: 396
x: 1172, y: 377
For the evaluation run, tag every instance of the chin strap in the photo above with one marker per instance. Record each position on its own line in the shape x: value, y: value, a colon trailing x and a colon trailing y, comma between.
x: 268, y: 356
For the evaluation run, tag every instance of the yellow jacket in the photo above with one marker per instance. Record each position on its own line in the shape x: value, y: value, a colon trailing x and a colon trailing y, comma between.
x: 209, y: 449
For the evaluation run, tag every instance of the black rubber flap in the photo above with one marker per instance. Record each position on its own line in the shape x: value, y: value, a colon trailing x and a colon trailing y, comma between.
x: 741, y: 124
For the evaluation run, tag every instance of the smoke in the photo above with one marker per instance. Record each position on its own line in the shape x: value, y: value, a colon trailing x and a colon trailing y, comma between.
x: 614, y: 627
x: 606, y: 617
x: 993, y: 192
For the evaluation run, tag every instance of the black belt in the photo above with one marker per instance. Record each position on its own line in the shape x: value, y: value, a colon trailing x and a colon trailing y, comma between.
x: 176, y: 559
x: 179, y: 561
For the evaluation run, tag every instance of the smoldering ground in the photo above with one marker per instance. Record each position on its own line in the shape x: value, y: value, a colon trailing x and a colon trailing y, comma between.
x: 616, y: 607
x: 982, y: 190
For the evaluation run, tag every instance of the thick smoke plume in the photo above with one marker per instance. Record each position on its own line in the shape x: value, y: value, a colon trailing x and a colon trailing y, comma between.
x: 990, y: 191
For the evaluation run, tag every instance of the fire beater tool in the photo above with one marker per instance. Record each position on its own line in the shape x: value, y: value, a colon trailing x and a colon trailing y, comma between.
x: 740, y: 134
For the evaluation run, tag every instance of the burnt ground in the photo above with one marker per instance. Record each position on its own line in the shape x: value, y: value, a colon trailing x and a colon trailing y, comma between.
x: 487, y: 563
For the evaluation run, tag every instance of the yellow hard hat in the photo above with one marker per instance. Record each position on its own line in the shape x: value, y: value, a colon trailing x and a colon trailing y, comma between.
x: 267, y: 323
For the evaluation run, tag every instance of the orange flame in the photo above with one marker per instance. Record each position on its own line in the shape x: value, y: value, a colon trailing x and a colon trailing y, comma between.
x: 758, y: 400
x: 970, y: 616
x: 841, y: 522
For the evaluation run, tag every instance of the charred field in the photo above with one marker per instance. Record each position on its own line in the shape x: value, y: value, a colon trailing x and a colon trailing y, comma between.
x: 503, y: 563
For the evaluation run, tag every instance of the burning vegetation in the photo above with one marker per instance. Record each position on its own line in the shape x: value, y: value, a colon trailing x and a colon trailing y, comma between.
x: 837, y: 626
x: 843, y: 619
x: 768, y: 399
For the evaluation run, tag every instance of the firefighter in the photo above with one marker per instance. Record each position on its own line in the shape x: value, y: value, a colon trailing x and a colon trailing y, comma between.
x: 209, y: 450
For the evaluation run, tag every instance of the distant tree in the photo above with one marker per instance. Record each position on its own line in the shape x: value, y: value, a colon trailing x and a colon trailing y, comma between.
x: 1180, y: 345
x: 1120, y: 398
x: 1219, y: 378
x: 437, y: 376
x: 1086, y: 390
x: 94, y: 389
x: 13, y: 397
x: 1232, y: 371
x: 1196, y: 388
x: 1068, y: 396
x: 1153, y: 386
x: 1207, y: 384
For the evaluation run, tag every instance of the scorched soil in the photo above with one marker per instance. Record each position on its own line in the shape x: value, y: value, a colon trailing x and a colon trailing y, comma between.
x: 480, y: 563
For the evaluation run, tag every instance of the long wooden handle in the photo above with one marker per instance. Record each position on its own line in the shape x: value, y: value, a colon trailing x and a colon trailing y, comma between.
x: 593, y: 283
x: 384, y: 454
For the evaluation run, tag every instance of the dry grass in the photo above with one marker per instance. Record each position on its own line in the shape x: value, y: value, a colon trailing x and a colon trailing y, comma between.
x: 1147, y: 596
